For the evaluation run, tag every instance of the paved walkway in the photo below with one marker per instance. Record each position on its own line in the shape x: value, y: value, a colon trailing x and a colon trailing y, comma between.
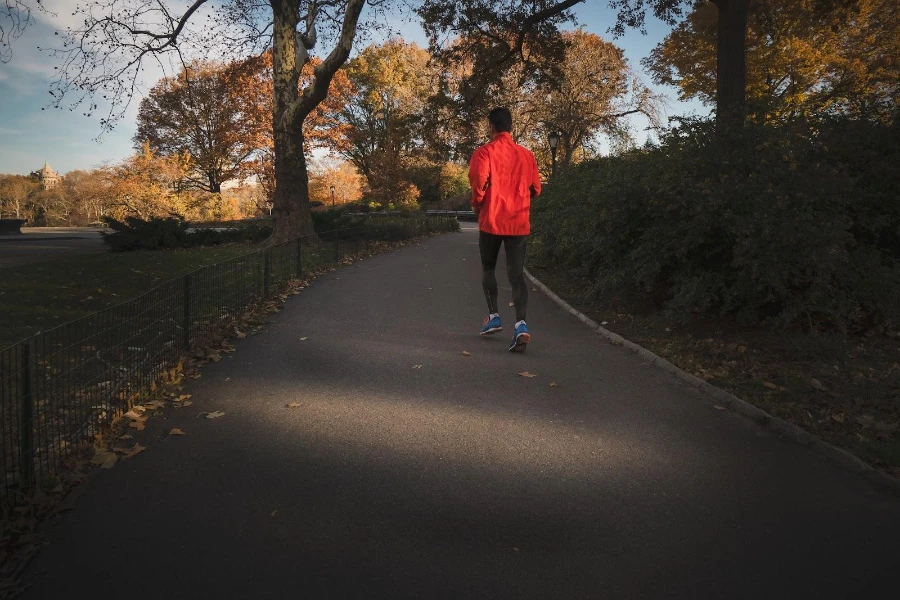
x: 461, y: 479
x: 37, y: 244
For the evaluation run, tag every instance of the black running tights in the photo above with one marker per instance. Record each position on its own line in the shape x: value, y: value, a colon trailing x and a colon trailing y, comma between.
x: 489, y: 247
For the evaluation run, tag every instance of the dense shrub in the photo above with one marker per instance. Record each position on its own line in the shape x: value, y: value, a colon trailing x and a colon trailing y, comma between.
x: 796, y: 224
x: 138, y: 234
x: 174, y: 232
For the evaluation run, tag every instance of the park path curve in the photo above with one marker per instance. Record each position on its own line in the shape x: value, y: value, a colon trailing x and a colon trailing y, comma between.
x: 460, y: 478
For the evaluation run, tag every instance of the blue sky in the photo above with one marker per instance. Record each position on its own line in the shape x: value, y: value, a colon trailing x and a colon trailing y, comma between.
x: 66, y: 139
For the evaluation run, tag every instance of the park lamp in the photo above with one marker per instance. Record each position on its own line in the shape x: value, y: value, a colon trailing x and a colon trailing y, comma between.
x: 554, y: 140
x: 332, y: 195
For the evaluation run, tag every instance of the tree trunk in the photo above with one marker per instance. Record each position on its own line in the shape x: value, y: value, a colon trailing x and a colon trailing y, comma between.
x: 215, y: 186
x: 291, y: 211
x: 731, y: 67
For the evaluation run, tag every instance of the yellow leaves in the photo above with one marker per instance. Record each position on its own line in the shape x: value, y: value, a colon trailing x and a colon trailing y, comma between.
x: 527, y: 374
x: 215, y: 414
x: 176, y: 431
x: 466, y: 353
x: 304, y: 338
x: 292, y: 405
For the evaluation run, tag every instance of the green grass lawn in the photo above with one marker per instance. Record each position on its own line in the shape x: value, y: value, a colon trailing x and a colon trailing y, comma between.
x: 41, y: 296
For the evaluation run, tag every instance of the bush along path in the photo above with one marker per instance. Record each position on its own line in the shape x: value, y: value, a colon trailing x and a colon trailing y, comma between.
x: 21, y: 519
x: 383, y: 448
x: 764, y: 261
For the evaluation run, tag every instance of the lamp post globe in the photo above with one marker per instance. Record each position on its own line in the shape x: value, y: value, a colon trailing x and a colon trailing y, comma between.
x: 553, y: 139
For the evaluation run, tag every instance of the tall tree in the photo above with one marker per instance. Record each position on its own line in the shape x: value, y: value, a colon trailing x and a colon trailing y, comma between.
x: 201, y: 112
x: 731, y: 33
x: 322, y: 128
x: 593, y: 95
x: 801, y: 60
x: 102, y: 60
x: 488, y: 38
x: 391, y: 84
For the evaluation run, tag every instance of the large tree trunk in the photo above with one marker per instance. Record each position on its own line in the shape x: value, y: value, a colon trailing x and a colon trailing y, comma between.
x: 731, y: 66
x: 291, y: 206
x: 291, y: 211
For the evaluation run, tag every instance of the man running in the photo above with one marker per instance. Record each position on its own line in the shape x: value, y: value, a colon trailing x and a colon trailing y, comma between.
x: 504, y: 178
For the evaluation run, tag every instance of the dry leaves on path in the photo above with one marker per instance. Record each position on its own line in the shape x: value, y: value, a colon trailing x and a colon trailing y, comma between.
x: 292, y: 405
x: 466, y: 353
x: 527, y: 374
x: 176, y: 431
x: 215, y: 414
x: 135, y: 451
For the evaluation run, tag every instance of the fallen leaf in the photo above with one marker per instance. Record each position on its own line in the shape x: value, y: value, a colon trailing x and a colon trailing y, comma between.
x: 717, y: 407
x: 176, y: 431
x: 512, y: 303
x: 134, y: 451
x: 215, y: 414
x: 127, y: 436
x: 136, y: 425
x: 292, y: 405
x: 466, y: 353
x: 134, y: 415
x: 274, y: 512
x: 770, y: 385
x: 816, y: 384
x: 527, y: 374
x: 186, y: 403
x: 866, y: 420
x: 240, y: 334
x: 554, y: 384
x: 604, y: 322
x: 417, y: 366
x: 303, y: 339
x: 105, y: 459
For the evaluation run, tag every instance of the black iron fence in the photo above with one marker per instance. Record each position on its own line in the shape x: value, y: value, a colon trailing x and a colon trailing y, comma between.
x: 59, y: 387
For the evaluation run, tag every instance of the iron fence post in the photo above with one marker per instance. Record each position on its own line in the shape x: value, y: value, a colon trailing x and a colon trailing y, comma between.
x: 26, y: 416
x: 267, y: 273
x: 186, y: 313
x: 299, y: 257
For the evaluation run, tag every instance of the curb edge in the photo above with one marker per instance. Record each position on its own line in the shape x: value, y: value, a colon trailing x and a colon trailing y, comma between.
x: 783, y: 428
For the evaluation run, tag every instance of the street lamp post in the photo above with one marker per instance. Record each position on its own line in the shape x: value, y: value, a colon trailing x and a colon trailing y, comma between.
x: 554, y: 143
x: 332, y: 196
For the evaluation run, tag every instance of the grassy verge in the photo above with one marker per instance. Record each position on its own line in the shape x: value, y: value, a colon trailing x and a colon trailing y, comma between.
x: 844, y: 389
x: 41, y: 296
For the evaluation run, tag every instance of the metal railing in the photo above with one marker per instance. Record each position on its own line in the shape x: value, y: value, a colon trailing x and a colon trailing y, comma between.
x: 59, y: 387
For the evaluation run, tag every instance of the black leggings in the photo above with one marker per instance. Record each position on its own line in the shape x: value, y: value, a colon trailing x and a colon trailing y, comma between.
x: 489, y: 246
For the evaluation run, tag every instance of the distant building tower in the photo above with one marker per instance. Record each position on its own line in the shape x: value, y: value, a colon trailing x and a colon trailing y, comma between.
x: 48, y: 177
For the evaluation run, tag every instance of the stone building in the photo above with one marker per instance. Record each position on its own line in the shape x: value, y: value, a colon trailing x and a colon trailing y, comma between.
x: 48, y: 177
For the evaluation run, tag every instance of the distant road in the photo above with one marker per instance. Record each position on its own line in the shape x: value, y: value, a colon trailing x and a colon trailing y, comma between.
x: 37, y: 244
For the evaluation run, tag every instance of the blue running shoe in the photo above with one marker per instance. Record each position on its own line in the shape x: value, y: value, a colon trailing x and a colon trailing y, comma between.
x: 520, y: 339
x: 491, y: 325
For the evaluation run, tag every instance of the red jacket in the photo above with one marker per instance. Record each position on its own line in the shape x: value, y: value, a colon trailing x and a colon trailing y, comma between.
x: 501, y: 174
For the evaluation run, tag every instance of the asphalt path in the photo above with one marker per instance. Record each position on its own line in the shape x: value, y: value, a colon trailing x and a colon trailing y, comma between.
x: 408, y: 469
